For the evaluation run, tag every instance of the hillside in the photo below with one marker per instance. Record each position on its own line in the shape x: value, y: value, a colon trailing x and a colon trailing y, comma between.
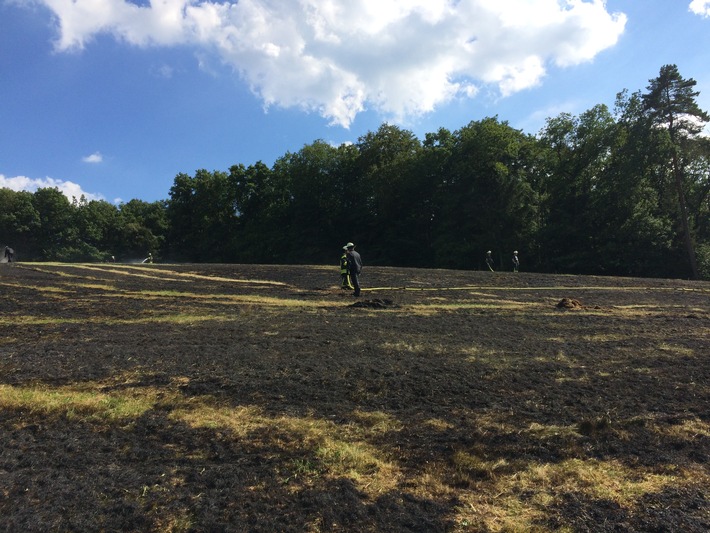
x: 263, y: 398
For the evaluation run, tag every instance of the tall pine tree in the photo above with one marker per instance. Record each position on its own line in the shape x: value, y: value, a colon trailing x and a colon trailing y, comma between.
x: 671, y: 104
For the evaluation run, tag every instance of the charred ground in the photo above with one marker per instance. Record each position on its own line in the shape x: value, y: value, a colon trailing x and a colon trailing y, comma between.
x: 259, y: 398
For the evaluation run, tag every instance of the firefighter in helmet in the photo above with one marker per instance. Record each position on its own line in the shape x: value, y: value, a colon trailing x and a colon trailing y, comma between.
x: 344, y: 271
x: 489, y: 260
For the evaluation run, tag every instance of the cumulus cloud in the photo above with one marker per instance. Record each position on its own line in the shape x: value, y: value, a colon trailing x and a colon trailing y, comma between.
x: 340, y: 57
x: 96, y: 157
x: 700, y: 7
x: 70, y: 189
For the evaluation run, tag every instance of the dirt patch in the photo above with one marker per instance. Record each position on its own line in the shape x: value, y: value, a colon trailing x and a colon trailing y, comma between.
x: 376, y: 303
x: 569, y: 303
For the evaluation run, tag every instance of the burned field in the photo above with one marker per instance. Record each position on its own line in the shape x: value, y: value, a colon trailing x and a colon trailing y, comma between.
x: 260, y: 398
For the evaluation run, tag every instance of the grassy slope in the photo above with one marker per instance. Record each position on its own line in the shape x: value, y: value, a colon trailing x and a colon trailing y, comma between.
x: 256, y: 398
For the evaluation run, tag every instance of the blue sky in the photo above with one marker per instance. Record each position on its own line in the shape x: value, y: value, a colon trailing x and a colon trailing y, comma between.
x: 112, y: 99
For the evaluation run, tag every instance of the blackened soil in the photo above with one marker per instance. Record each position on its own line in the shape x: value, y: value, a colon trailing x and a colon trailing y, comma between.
x: 462, y: 364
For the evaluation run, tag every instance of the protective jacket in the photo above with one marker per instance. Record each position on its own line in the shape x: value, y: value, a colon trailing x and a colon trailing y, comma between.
x: 344, y: 263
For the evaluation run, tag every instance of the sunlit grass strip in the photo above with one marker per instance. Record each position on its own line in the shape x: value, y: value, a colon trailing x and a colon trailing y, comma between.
x: 598, y: 337
x: 96, y: 286
x: 340, y: 451
x: 44, y: 288
x: 646, y: 311
x: 65, y: 274
x: 377, y: 422
x: 688, y: 430
x: 150, y: 295
x: 678, y: 350
x: 57, y: 273
x: 158, y: 317
x: 180, y: 318
x: 76, y: 403
x: 653, y: 307
x: 569, y: 288
x: 156, y: 274
x: 609, y: 480
x: 129, y: 269
x: 266, y: 301
x: 432, y: 307
x: 519, y: 501
x: 112, y: 291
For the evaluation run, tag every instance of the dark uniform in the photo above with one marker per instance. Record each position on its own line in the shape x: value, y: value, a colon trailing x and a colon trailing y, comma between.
x: 489, y: 261
x: 344, y: 273
x: 354, y: 268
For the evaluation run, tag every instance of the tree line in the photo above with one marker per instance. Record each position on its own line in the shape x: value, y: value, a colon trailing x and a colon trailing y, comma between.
x: 622, y: 191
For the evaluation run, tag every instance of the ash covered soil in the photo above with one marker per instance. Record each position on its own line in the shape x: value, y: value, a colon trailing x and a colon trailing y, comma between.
x: 264, y: 398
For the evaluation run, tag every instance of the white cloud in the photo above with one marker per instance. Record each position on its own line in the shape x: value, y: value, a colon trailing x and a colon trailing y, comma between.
x: 68, y: 188
x: 164, y: 71
x: 96, y: 157
x: 700, y: 7
x: 338, y: 57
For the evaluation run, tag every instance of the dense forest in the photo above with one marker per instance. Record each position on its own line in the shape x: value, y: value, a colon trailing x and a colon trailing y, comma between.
x: 616, y: 192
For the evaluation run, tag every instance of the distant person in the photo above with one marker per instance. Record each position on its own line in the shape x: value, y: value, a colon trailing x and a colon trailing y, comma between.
x: 354, y: 267
x: 148, y: 259
x: 9, y: 254
x: 344, y: 273
x: 516, y: 261
x: 489, y: 260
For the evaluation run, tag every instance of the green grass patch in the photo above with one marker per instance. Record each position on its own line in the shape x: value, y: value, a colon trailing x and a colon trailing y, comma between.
x: 74, y: 403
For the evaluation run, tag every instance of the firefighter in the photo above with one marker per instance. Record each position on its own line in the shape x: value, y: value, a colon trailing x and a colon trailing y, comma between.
x: 354, y: 267
x: 489, y: 260
x: 516, y: 261
x: 344, y: 272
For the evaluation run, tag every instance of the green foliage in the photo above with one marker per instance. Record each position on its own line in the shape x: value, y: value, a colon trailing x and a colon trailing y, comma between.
x: 671, y: 107
x: 317, y: 178
x: 381, y: 193
x: 610, y: 193
x: 19, y: 221
x: 704, y: 260
x: 143, y: 229
x: 261, y: 205
x: 45, y: 225
x: 202, y: 217
x: 56, y: 232
x: 486, y: 195
x: 620, y: 193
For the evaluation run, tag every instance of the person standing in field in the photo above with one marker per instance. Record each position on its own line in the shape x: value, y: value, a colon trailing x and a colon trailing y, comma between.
x: 489, y: 260
x: 516, y: 261
x: 344, y: 272
x: 9, y: 254
x: 354, y: 267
